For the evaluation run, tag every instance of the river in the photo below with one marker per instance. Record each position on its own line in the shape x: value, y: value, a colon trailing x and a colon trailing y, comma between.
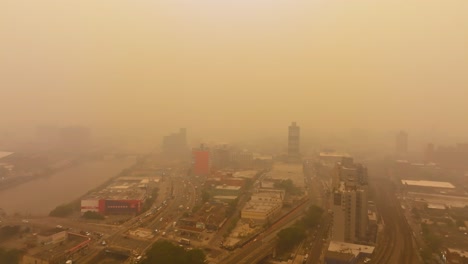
x: 38, y: 197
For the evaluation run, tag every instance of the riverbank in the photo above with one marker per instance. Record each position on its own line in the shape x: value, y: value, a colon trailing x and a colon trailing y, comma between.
x: 40, y: 196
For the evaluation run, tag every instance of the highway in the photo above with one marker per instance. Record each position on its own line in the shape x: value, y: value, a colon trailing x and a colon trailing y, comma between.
x: 173, y: 192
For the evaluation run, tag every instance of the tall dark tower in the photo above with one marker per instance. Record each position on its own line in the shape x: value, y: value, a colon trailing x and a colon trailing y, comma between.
x: 293, y: 140
x: 402, y: 143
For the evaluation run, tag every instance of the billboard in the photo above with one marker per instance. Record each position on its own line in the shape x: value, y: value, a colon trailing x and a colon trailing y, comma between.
x: 122, y: 206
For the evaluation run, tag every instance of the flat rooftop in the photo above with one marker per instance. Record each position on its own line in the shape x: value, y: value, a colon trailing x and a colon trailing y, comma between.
x: 284, y: 171
x: 432, y: 184
x: 447, y: 200
x: 349, y: 248
x: 272, y: 194
x: 224, y: 197
x: 4, y: 154
x: 460, y: 252
x: 228, y: 187
x: 334, y: 154
x: 436, y: 206
x: 52, y: 231
x: 123, y: 188
x: 254, y: 206
x: 247, y: 174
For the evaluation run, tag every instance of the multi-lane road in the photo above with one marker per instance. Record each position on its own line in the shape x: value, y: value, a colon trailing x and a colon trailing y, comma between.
x: 175, y: 191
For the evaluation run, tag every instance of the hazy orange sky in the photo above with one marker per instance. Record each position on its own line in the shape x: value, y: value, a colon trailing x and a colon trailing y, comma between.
x: 236, y: 68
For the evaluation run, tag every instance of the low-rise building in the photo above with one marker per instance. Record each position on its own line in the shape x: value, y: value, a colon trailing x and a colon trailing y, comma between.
x: 260, y: 212
x: 57, y: 253
x: 226, y: 190
x: 457, y: 256
x: 52, y: 236
x: 263, y: 205
x: 347, y: 253
x: 283, y: 171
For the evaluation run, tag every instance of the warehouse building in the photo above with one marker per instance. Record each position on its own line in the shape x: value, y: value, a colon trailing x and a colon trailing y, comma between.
x: 123, y: 196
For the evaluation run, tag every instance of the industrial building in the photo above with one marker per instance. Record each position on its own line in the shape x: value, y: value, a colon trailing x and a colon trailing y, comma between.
x: 123, y: 196
x: 426, y: 185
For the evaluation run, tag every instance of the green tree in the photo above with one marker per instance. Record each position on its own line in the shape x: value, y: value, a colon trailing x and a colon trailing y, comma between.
x: 206, y: 196
x: 166, y: 252
x: 7, y: 232
x: 312, y: 217
x: 65, y: 210
x: 150, y: 200
x: 416, y: 213
x: 290, y: 237
x: 93, y: 215
x: 232, y: 207
x: 288, y: 186
x: 460, y: 222
x: 9, y: 256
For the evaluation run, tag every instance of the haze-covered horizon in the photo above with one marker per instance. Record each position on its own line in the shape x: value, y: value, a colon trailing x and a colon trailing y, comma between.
x: 237, y: 70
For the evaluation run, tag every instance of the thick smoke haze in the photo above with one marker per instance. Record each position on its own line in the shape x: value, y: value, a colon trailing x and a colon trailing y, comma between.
x: 237, y: 69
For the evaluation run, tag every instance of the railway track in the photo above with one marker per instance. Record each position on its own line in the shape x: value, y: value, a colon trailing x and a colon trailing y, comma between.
x: 396, y: 244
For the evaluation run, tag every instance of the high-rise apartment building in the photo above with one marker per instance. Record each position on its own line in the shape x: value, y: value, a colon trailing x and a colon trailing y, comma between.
x: 401, y: 145
x: 175, y: 145
x: 201, y: 161
x: 349, y: 201
x: 221, y: 156
x: 294, y: 140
